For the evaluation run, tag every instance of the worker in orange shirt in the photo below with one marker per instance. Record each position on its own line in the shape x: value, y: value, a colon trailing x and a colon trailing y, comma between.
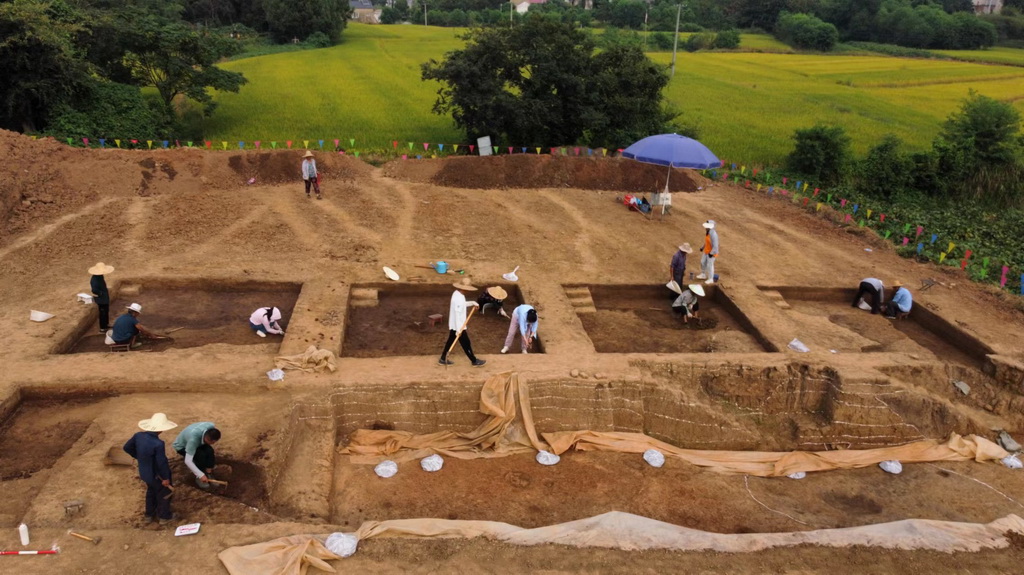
x: 709, y: 253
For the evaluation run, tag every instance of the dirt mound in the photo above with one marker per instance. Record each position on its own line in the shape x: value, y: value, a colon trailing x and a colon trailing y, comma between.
x: 283, y: 166
x: 543, y: 171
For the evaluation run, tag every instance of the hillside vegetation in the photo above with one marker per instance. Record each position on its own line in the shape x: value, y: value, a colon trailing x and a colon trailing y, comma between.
x: 745, y: 104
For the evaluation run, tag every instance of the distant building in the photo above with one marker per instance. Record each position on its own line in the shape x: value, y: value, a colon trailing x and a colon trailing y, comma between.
x: 363, y: 11
x: 524, y: 6
x: 988, y: 6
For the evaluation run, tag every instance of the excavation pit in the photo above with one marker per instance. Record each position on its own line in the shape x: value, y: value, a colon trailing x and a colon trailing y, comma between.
x: 639, y: 319
x: 191, y: 314
x: 848, y: 329
x: 386, y: 320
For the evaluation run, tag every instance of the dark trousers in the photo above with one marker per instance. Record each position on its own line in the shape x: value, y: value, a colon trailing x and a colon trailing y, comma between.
x: 314, y: 183
x: 892, y: 310
x: 104, y: 315
x: 464, y: 340
x: 867, y: 289
x: 156, y: 504
x: 204, y: 457
x: 680, y: 310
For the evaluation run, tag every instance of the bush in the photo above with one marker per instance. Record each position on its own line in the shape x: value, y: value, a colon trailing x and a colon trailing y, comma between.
x: 318, y: 40
x: 806, y: 32
x: 886, y: 170
x: 690, y: 27
x: 727, y: 40
x: 700, y: 41
x: 106, y: 110
x: 662, y: 40
x: 391, y: 15
x: 822, y: 153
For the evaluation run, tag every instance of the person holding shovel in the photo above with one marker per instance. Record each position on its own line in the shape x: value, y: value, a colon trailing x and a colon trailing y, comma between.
x: 100, y: 295
x: 309, y: 174
x: 195, y: 444
x: 147, y: 448
x: 457, y: 324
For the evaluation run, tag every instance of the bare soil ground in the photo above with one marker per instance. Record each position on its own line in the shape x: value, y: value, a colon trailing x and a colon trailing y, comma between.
x: 207, y: 248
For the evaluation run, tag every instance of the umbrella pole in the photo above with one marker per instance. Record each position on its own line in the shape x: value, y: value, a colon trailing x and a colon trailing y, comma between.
x: 667, y: 177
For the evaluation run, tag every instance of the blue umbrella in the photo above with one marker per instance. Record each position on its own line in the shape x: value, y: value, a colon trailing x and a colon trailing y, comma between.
x: 674, y: 151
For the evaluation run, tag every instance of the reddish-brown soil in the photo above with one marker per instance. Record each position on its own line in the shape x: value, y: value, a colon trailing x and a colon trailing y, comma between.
x: 174, y: 219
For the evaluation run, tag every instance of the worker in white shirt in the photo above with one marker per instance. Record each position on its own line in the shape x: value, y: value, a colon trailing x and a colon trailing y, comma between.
x: 264, y: 321
x: 457, y: 314
x: 195, y: 444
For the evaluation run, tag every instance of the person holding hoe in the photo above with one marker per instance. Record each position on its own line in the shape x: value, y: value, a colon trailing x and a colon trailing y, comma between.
x: 127, y: 328
x: 147, y: 448
x: 309, y: 174
x: 457, y: 323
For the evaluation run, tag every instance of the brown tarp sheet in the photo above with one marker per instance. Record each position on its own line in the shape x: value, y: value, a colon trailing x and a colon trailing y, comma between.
x: 509, y: 428
x: 617, y: 530
x: 311, y: 360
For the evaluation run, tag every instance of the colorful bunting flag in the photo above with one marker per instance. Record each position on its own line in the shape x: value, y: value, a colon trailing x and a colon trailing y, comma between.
x: 321, y: 142
x: 118, y: 142
x: 352, y: 142
x: 305, y: 144
x: 288, y: 143
x: 920, y: 248
x: 919, y: 230
x: 818, y: 207
x: 224, y: 145
x: 150, y: 144
x: 103, y: 143
x: 257, y: 144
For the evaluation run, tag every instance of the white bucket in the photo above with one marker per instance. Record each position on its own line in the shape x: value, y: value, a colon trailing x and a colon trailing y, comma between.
x: 36, y: 315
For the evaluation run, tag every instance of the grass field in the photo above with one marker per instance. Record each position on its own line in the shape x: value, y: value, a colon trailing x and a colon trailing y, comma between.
x: 746, y: 104
x: 1011, y: 56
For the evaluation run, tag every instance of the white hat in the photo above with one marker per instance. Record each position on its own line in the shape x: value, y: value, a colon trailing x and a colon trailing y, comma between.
x: 685, y: 248
x: 158, y: 422
x: 697, y: 289
x: 710, y: 224
x: 134, y: 307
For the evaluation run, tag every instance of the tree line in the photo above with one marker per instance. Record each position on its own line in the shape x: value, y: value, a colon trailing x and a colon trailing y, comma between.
x: 77, y: 67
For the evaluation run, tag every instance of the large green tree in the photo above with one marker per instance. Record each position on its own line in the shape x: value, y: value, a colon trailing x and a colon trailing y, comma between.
x: 288, y: 19
x: 541, y: 83
x: 40, y: 67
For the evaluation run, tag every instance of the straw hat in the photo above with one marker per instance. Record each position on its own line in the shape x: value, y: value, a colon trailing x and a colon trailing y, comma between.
x: 464, y: 284
x: 897, y: 283
x: 710, y: 224
x: 134, y: 307
x: 497, y: 293
x: 686, y: 249
x: 697, y: 289
x: 308, y: 154
x: 158, y: 422
x: 100, y: 269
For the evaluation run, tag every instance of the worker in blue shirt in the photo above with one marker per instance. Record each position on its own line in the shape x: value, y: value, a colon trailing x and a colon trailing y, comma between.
x: 901, y: 301
x: 148, y: 449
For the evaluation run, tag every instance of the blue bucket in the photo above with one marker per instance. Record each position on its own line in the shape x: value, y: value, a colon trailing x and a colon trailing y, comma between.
x: 441, y: 267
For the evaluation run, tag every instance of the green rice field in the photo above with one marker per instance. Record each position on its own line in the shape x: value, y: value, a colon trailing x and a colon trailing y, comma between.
x: 746, y: 104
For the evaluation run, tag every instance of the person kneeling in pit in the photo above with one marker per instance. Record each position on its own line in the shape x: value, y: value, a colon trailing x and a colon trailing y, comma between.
x: 494, y: 297
x: 195, y: 444
x: 687, y: 305
x: 264, y: 321
x: 126, y: 328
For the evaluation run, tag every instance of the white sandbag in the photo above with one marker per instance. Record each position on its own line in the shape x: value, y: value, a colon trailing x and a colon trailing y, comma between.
x: 892, y: 466
x: 654, y: 458
x: 386, y: 469
x: 674, y: 286
x: 84, y: 298
x: 275, y: 375
x: 342, y: 544
x: 864, y: 305
x: 1012, y: 462
x: 797, y: 475
x: 432, y: 463
x: 797, y: 345
x: 36, y: 315
x: 546, y: 458
x: 1007, y: 442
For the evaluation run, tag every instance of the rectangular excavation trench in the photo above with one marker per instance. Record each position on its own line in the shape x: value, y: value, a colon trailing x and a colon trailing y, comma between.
x: 639, y: 319
x: 923, y: 330
x: 386, y: 320
x: 207, y: 311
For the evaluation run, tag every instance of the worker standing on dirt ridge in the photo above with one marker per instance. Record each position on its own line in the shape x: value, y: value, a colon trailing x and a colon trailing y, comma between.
x: 687, y: 305
x: 309, y: 174
x: 872, y: 287
x: 709, y: 253
x: 524, y: 320
x: 264, y: 320
x: 195, y: 444
x: 678, y: 266
x: 494, y: 297
x: 149, y: 450
x: 457, y: 324
x: 127, y: 327
x: 100, y: 295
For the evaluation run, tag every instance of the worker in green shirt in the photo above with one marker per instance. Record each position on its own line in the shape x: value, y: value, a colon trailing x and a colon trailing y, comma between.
x: 195, y: 444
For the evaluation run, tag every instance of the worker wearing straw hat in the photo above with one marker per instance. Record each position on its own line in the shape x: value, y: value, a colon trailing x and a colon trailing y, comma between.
x: 100, y: 295
x: 309, y: 174
x: 494, y: 297
x: 457, y: 324
x: 900, y: 303
x: 687, y: 305
x: 149, y: 450
x: 677, y: 268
